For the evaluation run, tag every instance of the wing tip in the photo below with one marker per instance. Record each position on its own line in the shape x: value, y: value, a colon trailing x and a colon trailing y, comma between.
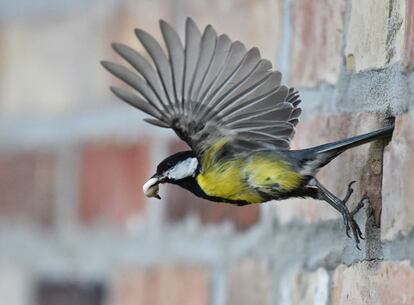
x: 255, y: 52
x: 167, y: 31
x: 190, y: 25
x: 115, y: 90
x: 119, y: 93
x: 117, y: 46
x: 157, y: 123
x: 107, y: 64
x: 189, y: 21
x: 163, y: 23
x: 141, y: 34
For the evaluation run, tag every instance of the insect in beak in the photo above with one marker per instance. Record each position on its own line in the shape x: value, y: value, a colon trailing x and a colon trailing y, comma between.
x: 151, y: 187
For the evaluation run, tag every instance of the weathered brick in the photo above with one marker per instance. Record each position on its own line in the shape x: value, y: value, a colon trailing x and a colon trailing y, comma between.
x: 375, y: 36
x: 69, y: 293
x: 162, y: 285
x: 250, y: 282
x: 61, y: 72
x: 111, y: 179
x: 317, y: 28
x: 397, y: 190
x: 373, y: 283
x: 306, y: 288
x: 27, y: 187
x: 409, y: 36
x: 355, y: 164
x: 255, y: 23
x: 181, y: 204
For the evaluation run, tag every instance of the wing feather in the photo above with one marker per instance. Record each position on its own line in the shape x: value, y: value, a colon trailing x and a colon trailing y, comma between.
x: 161, y: 62
x: 264, y: 97
x: 144, y: 68
x: 207, y: 89
x: 157, y: 123
x: 220, y: 55
x: 176, y: 53
x: 248, y: 90
x: 134, y: 81
x: 267, y: 94
x: 207, y: 47
x: 192, y: 51
x: 247, y: 67
x: 233, y: 62
x: 135, y: 101
x: 275, y: 114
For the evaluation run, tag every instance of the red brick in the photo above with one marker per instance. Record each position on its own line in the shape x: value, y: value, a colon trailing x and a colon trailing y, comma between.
x: 182, y: 203
x: 163, y: 285
x: 398, y: 193
x: 250, y: 282
x: 316, y: 41
x: 111, y: 179
x: 27, y: 187
x: 373, y: 283
x: 354, y: 164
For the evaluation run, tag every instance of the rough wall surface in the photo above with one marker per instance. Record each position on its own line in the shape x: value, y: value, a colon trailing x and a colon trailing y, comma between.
x: 74, y: 226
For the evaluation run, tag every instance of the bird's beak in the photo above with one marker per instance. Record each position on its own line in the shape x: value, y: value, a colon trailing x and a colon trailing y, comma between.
x: 151, y: 187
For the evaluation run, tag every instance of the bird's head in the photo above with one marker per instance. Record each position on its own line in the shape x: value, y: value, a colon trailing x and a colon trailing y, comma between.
x: 173, y: 169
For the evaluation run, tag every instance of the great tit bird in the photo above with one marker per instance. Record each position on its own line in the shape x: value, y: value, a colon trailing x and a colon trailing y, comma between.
x: 229, y: 106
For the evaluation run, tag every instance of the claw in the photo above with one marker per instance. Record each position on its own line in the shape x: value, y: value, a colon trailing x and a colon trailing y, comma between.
x: 348, y: 192
x: 347, y: 232
x: 341, y: 207
x: 349, y: 221
x: 360, y: 205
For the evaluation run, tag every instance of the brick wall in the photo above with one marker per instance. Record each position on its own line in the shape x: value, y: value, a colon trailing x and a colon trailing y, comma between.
x: 74, y: 225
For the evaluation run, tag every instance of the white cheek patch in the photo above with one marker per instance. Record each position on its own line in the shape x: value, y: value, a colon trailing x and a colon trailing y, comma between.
x: 183, y: 169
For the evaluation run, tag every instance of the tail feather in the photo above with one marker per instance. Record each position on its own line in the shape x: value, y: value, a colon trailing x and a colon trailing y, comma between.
x: 316, y: 157
x: 345, y: 144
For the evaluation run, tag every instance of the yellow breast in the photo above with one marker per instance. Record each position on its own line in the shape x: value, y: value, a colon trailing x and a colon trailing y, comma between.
x: 247, y: 178
x: 225, y: 180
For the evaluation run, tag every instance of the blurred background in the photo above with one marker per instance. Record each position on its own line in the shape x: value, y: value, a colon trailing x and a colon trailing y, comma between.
x: 75, y: 227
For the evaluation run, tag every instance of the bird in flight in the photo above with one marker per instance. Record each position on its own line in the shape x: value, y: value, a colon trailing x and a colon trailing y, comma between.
x: 230, y: 107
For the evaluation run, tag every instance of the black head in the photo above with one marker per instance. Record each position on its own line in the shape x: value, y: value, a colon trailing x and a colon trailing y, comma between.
x: 174, y: 168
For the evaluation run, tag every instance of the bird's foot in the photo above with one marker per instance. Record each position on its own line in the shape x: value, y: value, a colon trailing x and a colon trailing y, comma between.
x: 341, y: 207
x: 350, y: 223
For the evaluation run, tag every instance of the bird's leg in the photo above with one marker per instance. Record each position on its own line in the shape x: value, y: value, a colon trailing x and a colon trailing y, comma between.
x: 340, y: 206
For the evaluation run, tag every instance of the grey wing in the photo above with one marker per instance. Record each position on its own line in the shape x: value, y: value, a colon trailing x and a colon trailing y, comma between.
x: 208, y: 88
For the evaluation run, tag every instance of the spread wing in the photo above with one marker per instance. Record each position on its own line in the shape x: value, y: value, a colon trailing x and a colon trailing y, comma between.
x: 207, y: 89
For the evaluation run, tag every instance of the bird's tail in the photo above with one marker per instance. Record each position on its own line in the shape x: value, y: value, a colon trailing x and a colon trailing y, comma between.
x: 317, y: 157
